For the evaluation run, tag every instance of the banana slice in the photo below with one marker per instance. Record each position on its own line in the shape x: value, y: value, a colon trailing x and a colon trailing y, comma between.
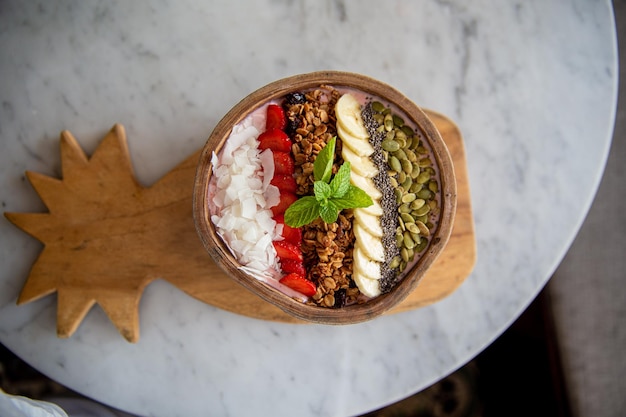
x: 365, y: 184
x: 370, y: 223
x: 361, y: 165
x: 375, y: 209
x: 348, y: 112
x: 361, y: 147
x: 368, y: 287
x: 372, y: 246
x: 364, y: 265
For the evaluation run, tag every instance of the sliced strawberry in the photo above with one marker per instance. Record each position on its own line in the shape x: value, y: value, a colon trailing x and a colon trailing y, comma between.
x: 275, y: 118
x: 283, y: 163
x: 279, y: 218
x: 290, y: 265
x: 285, y: 183
x: 291, y: 234
x: 275, y: 139
x: 286, y: 250
x: 286, y: 199
x: 299, y: 283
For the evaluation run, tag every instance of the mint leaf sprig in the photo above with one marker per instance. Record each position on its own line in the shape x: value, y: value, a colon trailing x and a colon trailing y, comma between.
x: 330, y: 195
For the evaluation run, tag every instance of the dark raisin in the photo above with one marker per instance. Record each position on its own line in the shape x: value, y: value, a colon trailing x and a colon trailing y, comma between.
x: 295, y: 98
x: 340, y: 298
x: 292, y: 126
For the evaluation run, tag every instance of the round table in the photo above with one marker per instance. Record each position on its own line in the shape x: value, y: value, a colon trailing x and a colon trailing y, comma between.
x: 531, y: 85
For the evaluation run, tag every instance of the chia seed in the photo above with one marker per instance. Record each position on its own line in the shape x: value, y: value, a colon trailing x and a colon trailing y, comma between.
x: 389, y: 219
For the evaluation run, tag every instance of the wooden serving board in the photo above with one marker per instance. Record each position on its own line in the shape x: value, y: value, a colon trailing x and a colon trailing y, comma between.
x: 106, y: 237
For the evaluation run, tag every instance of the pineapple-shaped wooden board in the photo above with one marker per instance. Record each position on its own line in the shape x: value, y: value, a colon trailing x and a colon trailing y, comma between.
x: 106, y: 237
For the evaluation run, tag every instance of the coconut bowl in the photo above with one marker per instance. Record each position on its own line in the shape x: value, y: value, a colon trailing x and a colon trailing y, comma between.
x: 348, y: 314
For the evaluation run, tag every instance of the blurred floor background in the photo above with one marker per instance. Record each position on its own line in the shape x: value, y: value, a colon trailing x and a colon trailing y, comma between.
x: 563, y: 357
x: 587, y: 290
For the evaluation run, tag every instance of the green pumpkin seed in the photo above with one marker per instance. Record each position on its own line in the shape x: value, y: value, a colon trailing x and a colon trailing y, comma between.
x: 416, y: 237
x: 398, y: 121
x: 412, y: 227
x: 423, y: 229
x: 390, y: 135
x: 424, y: 162
x: 395, y: 262
x: 410, y: 155
x: 394, y: 163
x: 411, y: 253
x: 378, y: 118
x: 433, y: 186
x: 407, y: 166
x: 404, y: 254
x: 388, y: 122
x: 409, y: 243
x: 401, y: 135
x: 378, y: 107
x: 415, y: 173
x: 393, y: 182
x: 408, y: 198
x: 423, y: 218
x: 417, y: 203
x: 405, y: 208
x: 421, y: 150
x: 421, y: 246
x: 433, y: 204
x: 402, y: 266
x: 400, y: 154
x: 415, y: 187
x: 407, y: 130
x: 407, y: 219
x: 423, y: 177
x: 399, y: 239
x: 401, y: 142
x: 425, y: 193
x: 390, y: 145
x: 407, y: 183
x: 398, y: 194
x: 401, y: 177
x: 380, y: 128
x: 425, y: 209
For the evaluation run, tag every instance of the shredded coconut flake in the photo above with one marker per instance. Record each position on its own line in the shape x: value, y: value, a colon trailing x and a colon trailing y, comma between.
x: 242, y: 197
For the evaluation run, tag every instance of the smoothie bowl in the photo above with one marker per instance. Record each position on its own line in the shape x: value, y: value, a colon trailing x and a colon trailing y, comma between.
x: 327, y: 194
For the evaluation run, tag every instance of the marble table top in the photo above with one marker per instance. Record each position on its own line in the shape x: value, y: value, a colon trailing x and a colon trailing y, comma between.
x: 532, y: 86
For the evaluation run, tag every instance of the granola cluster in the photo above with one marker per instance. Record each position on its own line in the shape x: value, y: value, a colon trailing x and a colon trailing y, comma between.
x: 327, y: 248
x: 315, y: 125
